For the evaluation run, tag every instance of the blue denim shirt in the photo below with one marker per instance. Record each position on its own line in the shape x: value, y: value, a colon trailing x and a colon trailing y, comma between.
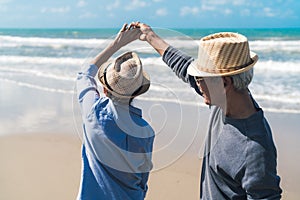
x: 117, y: 145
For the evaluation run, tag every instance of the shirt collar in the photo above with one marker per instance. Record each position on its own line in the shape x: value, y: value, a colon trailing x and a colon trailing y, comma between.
x: 132, y: 109
x: 135, y: 110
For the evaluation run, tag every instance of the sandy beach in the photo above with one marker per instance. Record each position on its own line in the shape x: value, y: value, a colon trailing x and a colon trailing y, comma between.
x: 39, y: 166
x: 47, y: 166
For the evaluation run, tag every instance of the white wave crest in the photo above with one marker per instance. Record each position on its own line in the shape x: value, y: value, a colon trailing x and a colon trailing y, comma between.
x: 29, y: 60
x: 261, y: 66
x: 15, y: 41
x: 36, y: 73
x: 186, y: 43
x: 281, y: 45
x: 37, y: 87
x: 291, y: 99
x: 278, y: 66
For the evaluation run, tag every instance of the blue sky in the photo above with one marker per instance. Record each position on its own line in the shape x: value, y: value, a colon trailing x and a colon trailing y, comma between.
x: 158, y: 13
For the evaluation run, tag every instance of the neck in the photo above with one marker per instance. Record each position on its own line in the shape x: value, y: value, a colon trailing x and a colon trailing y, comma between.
x: 239, y: 105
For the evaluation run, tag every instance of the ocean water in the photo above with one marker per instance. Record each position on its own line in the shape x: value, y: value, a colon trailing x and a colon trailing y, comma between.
x: 48, y: 60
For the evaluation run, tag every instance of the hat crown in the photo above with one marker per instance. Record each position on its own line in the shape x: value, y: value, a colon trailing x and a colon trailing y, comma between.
x: 223, y: 52
x: 124, y: 76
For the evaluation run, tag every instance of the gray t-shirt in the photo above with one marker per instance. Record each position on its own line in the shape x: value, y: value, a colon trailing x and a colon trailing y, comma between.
x: 240, y: 155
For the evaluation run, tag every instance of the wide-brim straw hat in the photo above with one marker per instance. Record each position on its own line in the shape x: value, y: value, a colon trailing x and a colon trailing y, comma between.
x: 222, y: 54
x: 124, y: 76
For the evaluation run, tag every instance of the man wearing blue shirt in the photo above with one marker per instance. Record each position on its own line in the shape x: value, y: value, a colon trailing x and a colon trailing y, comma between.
x: 117, y: 141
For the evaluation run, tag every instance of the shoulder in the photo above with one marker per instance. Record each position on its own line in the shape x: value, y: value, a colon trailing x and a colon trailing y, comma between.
x: 104, y: 107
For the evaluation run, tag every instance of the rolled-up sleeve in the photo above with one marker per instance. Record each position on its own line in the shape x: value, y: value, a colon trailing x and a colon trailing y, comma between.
x: 86, y: 86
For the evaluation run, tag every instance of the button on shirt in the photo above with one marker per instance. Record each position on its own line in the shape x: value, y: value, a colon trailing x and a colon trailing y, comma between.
x: 117, y: 145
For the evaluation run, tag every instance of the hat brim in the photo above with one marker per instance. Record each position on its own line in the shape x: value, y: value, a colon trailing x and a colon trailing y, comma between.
x: 194, y: 71
x: 144, y: 87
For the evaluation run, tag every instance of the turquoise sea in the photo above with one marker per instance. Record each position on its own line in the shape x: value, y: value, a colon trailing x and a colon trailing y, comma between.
x: 48, y: 59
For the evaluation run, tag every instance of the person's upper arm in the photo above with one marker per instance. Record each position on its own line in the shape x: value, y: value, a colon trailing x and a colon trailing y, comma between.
x: 87, y: 92
x: 179, y: 62
x: 260, y: 180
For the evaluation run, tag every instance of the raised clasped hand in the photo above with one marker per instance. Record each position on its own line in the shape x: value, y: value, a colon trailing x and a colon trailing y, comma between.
x: 128, y: 33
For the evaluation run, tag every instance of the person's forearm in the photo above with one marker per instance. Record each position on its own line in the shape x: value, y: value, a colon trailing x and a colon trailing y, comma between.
x: 156, y: 42
x: 87, y: 89
x: 126, y: 35
x: 104, y: 55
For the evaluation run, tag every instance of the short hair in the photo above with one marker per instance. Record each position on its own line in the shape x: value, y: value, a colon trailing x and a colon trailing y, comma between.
x: 242, y: 80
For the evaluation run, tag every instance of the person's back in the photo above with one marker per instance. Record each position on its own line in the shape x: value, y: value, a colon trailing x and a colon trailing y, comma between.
x: 237, y: 156
x: 117, y: 141
x: 116, y: 164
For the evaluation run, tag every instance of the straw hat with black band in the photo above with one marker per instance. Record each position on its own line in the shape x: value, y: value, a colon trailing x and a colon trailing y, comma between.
x: 124, y: 77
x: 222, y: 54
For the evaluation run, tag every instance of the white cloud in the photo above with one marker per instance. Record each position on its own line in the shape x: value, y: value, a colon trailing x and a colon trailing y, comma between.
x: 87, y: 15
x: 113, y: 6
x: 111, y: 15
x: 220, y: 5
x: 186, y: 10
x: 245, y: 12
x: 208, y: 7
x: 243, y: 7
x: 81, y: 3
x: 135, y: 4
x: 239, y: 2
x: 226, y: 7
x: 213, y: 2
x: 64, y: 9
x: 161, y: 12
x: 269, y: 12
x: 5, y: 1
x: 3, y: 5
x: 3, y: 8
x: 227, y: 11
x: 224, y: 2
x: 288, y: 13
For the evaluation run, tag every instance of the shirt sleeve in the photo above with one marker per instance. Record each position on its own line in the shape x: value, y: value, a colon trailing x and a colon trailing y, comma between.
x: 148, y: 158
x: 260, y: 180
x: 179, y: 62
x: 87, y: 92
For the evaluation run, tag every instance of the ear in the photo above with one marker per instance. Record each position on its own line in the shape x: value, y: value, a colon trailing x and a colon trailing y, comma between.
x: 105, y: 91
x: 227, y: 82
